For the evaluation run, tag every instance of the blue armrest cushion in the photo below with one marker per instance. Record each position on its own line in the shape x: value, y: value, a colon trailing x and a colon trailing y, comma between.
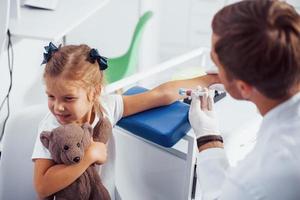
x: 164, y: 125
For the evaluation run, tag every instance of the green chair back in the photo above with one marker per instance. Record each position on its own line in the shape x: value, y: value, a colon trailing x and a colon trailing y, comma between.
x: 126, y: 64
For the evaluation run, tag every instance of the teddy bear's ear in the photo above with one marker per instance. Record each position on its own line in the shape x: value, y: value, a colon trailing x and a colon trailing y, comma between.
x: 87, y: 127
x: 45, y: 138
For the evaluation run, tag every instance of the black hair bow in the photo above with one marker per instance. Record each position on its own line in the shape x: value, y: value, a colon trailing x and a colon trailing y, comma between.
x: 50, y: 49
x: 95, y: 56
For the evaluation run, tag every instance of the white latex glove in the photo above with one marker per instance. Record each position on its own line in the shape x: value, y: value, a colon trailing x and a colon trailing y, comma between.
x: 202, y: 116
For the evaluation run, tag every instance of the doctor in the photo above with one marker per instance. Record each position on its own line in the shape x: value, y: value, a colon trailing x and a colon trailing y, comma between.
x: 256, y: 47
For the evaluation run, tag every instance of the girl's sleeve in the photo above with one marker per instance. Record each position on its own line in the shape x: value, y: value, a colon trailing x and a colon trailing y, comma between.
x: 39, y: 151
x: 113, y: 106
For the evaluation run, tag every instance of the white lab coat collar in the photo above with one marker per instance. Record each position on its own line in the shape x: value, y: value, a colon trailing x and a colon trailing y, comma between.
x: 279, y: 115
x: 282, y: 108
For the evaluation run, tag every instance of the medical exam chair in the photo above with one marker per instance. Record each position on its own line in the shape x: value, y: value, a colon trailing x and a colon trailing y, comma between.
x: 155, y: 153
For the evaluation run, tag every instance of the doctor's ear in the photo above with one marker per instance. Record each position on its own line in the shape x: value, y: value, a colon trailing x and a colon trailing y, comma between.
x: 245, y: 89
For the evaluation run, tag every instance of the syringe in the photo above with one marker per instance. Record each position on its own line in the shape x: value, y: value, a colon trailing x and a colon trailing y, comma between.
x: 189, y: 92
x: 217, y: 89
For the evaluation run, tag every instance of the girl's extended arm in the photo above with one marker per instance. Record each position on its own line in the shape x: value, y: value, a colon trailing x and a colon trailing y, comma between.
x: 164, y: 94
x: 50, y: 178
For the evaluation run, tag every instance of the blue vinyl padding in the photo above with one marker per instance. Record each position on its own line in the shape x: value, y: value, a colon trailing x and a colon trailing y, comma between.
x: 164, y: 125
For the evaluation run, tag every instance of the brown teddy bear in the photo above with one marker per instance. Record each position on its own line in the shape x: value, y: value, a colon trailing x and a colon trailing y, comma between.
x: 67, y: 145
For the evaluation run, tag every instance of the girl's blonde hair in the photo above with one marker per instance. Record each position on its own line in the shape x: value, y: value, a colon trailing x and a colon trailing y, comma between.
x: 73, y: 62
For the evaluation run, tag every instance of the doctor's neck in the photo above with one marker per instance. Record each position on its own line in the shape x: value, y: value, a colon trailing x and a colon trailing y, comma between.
x: 265, y: 104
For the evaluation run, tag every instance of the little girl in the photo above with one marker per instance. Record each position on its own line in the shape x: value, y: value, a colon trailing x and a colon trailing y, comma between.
x: 73, y: 78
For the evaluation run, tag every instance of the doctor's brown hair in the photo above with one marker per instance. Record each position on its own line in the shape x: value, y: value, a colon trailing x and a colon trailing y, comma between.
x: 259, y: 43
x: 72, y: 62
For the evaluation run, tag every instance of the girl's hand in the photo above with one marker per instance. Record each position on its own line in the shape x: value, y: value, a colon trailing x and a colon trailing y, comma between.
x: 97, y: 152
x: 209, y: 79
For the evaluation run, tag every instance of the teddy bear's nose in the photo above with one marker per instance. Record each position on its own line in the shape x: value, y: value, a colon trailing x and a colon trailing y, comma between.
x: 76, y: 159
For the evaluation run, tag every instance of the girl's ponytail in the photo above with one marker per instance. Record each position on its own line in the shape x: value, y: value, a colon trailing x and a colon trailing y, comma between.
x: 103, y: 129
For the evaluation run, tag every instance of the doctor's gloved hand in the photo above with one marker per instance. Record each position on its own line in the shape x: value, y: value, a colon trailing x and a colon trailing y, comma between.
x: 202, y: 116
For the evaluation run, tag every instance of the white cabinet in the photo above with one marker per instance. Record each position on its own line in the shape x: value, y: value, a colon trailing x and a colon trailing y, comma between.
x: 186, y: 25
x: 200, y: 17
x: 42, y: 24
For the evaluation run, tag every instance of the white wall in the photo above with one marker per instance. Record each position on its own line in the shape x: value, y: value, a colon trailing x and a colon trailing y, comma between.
x: 149, y: 49
x: 26, y: 74
x: 186, y: 25
x: 27, y: 86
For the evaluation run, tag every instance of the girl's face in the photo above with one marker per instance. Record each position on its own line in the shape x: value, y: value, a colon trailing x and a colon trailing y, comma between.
x: 68, y: 102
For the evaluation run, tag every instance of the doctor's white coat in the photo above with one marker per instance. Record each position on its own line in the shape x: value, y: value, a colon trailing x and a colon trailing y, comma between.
x: 270, y: 172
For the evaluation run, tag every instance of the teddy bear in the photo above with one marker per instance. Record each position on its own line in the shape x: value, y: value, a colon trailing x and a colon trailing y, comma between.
x: 67, y: 144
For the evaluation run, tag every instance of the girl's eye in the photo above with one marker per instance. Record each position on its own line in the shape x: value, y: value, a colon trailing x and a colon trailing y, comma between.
x: 66, y: 147
x: 69, y: 98
x: 78, y: 144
